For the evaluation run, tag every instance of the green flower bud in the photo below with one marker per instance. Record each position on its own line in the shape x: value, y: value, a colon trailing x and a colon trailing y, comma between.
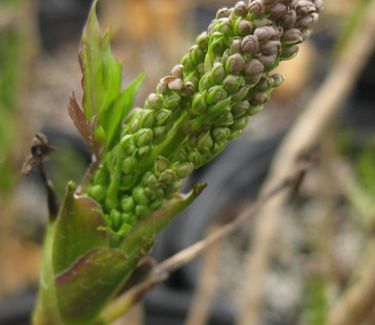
x: 223, y: 12
x: 253, y: 68
x: 241, y: 123
x: 156, y: 204
x: 224, y: 26
x: 171, y: 101
x: 289, y: 52
x: 235, y: 46
x: 184, y: 169
x: 143, y: 151
x: 235, y: 64
x: 187, y: 89
x: 139, y: 196
x: 159, y: 133
x: 174, y: 83
x: 178, y: 71
x: 116, y: 219
x: 161, y: 164
x: 128, y: 218
x: 271, y: 48
x: 148, y: 120
x: 292, y: 36
x: 216, y: 94
x: 259, y: 98
x: 225, y: 120
x: 202, y: 41
x: 199, y: 104
x: 255, y: 109
x: 188, y: 63
x: 241, y: 108
x: 197, y: 55
x: 240, y: 9
x: 243, y: 27
x: 141, y: 211
x: 162, y: 116
x: 127, y: 144
x: 241, y: 94
x: 128, y: 181
x: 205, y: 142
x: 256, y: 8
x: 195, y: 158
x: 277, y: 79
x: 278, y: 10
x: 232, y: 83
x: 129, y: 164
x: 217, y: 73
x: 269, y: 61
x: 205, y: 82
x: 167, y: 177
x: 289, y: 20
x: 144, y: 137
x: 135, y: 122
x: 127, y: 204
x: 154, y: 101
x: 98, y: 192
x: 221, y: 134
x: 250, y: 45
x: 265, y: 33
x: 101, y: 176
x: 152, y: 182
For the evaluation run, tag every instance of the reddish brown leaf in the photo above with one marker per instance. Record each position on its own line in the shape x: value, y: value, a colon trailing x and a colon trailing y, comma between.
x: 83, y: 125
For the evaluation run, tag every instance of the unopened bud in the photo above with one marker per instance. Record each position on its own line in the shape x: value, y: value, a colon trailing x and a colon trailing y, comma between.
x: 161, y: 164
x: 271, y: 48
x: 183, y: 170
x: 220, y: 108
x: 305, y: 7
x: 205, y: 142
x: 162, y: 87
x: 289, y: 52
x: 154, y: 101
x: 278, y: 10
x: 264, y: 84
x: 221, y: 133
x: 202, y: 41
x: 167, y: 177
x: 240, y: 9
x: 259, y: 98
x: 216, y: 94
x: 278, y: 79
x: 292, y: 36
x: 235, y: 46
x: 217, y: 73
x: 268, y: 61
x: 159, y: 133
x: 139, y: 196
x: 205, y: 82
x: 199, y: 104
x: 257, y: 8
x: 223, y: 12
x: 241, y: 123
x: 235, y: 64
x: 197, y: 55
x: 143, y: 151
x: 148, y: 119
x: 172, y: 100
x: 187, y: 89
x: 127, y: 204
x: 129, y: 165
x: 178, y: 71
x: 116, y: 219
x: 241, y: 108
x: 250, y: 45
x: 289, y: 20
x: 188, y: 63
x: 144, y: 137
x: 255, y: 109
x: 175, y: 83
x: 253, y: 68
x: 141, y: 211
x: 241, y: 94
x: 232, y: 83
x: 243, y: 27
x: 265, y: 33
x: 98, y: 192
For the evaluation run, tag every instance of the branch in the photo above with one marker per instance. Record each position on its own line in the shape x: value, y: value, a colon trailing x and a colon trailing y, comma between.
x: 161, y: 271
x: 306, y: 132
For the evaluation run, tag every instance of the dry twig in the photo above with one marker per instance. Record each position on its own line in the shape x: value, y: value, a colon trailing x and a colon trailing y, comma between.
x: 306, y: 132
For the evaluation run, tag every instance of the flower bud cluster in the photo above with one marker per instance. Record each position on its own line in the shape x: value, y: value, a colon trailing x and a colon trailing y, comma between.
x: 205, y: 101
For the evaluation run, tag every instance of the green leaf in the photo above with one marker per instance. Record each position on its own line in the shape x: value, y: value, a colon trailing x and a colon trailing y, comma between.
x: 102, y: 79
x: 76, y: 230
x: 121, y: 109
x: 84, y: 289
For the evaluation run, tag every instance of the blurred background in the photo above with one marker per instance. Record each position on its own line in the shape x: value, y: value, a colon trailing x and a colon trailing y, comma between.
x: 325, y: 237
